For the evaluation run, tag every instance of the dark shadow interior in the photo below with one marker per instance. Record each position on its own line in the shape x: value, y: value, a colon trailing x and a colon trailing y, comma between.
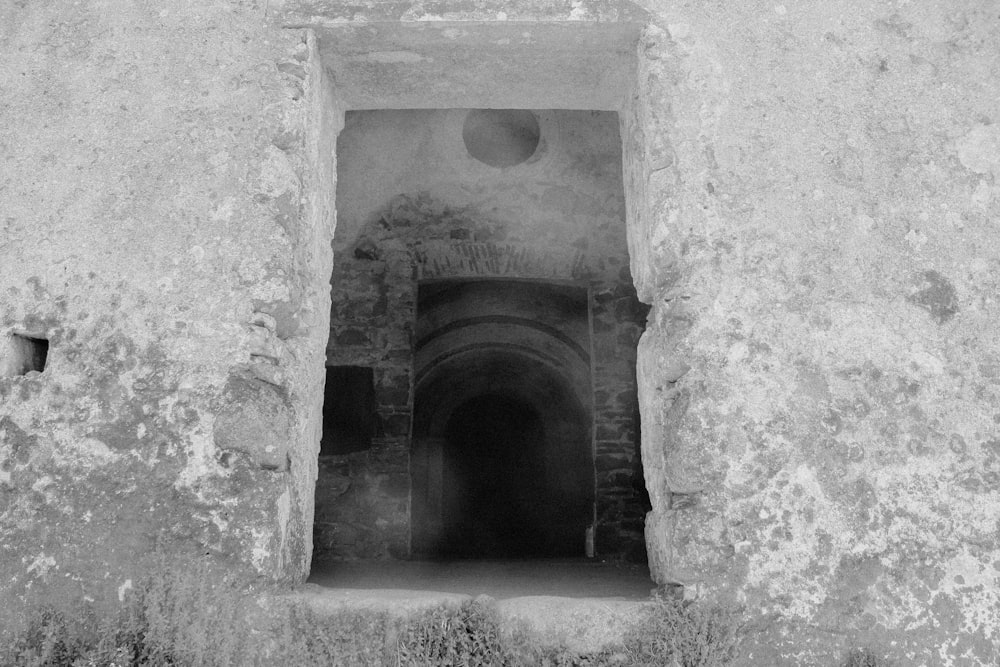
x: 480, y: 402
x: 502, y: 463
x: 349, y: 417
x: 23, y: 355
x: 498, y: 500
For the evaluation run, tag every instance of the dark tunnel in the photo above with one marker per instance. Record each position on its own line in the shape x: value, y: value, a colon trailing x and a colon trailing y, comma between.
x: 502, y: 461
x: 496, y: 495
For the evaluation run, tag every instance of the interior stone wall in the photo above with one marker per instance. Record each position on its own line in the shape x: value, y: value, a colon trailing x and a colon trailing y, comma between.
x: 413, y: 206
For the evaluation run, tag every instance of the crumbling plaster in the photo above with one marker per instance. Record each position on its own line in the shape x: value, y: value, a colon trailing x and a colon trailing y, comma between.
x: 813, y: 200
x: 163, y: 229
x: 818, y: 240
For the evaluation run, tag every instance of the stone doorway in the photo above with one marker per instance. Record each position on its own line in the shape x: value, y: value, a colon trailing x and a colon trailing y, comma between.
x: 481, y: 275
x: 471, y: 153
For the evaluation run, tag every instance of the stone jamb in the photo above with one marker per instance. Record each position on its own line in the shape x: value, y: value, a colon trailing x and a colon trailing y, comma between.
x: 607, y: 367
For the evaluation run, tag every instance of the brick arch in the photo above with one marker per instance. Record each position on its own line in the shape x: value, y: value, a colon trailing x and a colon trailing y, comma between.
x: 564, y: 461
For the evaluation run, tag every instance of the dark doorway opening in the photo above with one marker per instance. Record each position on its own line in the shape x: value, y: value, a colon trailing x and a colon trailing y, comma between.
x: 502, y: 460
x: 349, y: 416
x: 498, y: 498
x: 489, y: 292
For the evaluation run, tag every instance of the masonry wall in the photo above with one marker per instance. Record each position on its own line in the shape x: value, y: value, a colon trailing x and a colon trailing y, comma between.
x: 819, y: 382
x: 812, y: 200
x: 158, y: 229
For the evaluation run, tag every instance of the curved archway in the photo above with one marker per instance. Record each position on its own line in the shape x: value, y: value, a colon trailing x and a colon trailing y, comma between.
x: 494, y: 482
x: 502, y: 460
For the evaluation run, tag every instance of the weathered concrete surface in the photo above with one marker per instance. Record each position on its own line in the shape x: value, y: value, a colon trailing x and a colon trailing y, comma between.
x: 396, y: 602
x: 820, y: 381
x: 813, y: 207
x: 583, y: 625
x: 499, y: 579
x: 158, y: 228
x: 441, y: 64
x: 335, y: 13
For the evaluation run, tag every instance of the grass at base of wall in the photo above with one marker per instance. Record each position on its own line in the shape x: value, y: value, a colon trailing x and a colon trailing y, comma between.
x: 176, y: 616
x: 865, y: 657
x: 188, y: 618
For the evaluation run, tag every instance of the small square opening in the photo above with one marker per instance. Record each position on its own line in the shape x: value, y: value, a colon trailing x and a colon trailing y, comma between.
x: 22, y: 355
x: 349, y: 410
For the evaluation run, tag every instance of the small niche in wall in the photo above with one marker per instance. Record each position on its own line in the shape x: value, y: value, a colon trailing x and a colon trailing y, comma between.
x: 349, y: 410
x: 501, y: 137
x: 20, y: 355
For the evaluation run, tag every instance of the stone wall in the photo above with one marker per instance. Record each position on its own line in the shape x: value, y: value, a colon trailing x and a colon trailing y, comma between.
x: 812, y: 203
x: 817, y: 234
x: 162, y: 229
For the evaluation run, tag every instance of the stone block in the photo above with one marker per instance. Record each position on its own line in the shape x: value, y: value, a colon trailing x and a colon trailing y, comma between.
x: 606, y: 431
x: 659, y: 527
x: 605, y: 462
x: 255, y: 418
x: 352, y: 337
x: 394, y: 425
x: 330, y: 485
x: 580, y: 624
x: 615, y: 480
x: 396, y: 485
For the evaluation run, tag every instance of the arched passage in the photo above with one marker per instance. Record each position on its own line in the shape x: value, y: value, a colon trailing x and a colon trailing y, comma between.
x: 522, y: 267
x: 494, y: 486
x: 502, y: 461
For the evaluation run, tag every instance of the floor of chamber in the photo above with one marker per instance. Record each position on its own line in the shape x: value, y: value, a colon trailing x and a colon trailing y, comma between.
x: 501, y: 579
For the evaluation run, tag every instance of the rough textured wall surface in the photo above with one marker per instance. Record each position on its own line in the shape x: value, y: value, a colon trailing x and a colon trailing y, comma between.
x: 157, y: 228
x: 818, y: 237
x: 813, y: 198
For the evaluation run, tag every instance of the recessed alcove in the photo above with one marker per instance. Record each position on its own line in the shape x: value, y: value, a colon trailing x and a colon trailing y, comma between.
x: 494, y: 311
x: 501, y: 137
x: 22, y: 354
x: 481, y: 271
x: 349, y: 412
x: 502, y: 458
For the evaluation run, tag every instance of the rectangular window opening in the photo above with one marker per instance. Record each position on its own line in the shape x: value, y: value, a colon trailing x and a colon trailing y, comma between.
x: 23, y: 354
x: 349, y: 410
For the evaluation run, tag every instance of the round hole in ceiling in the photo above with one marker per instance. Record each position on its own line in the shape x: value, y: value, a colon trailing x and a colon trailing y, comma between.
x: 501, y: 137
